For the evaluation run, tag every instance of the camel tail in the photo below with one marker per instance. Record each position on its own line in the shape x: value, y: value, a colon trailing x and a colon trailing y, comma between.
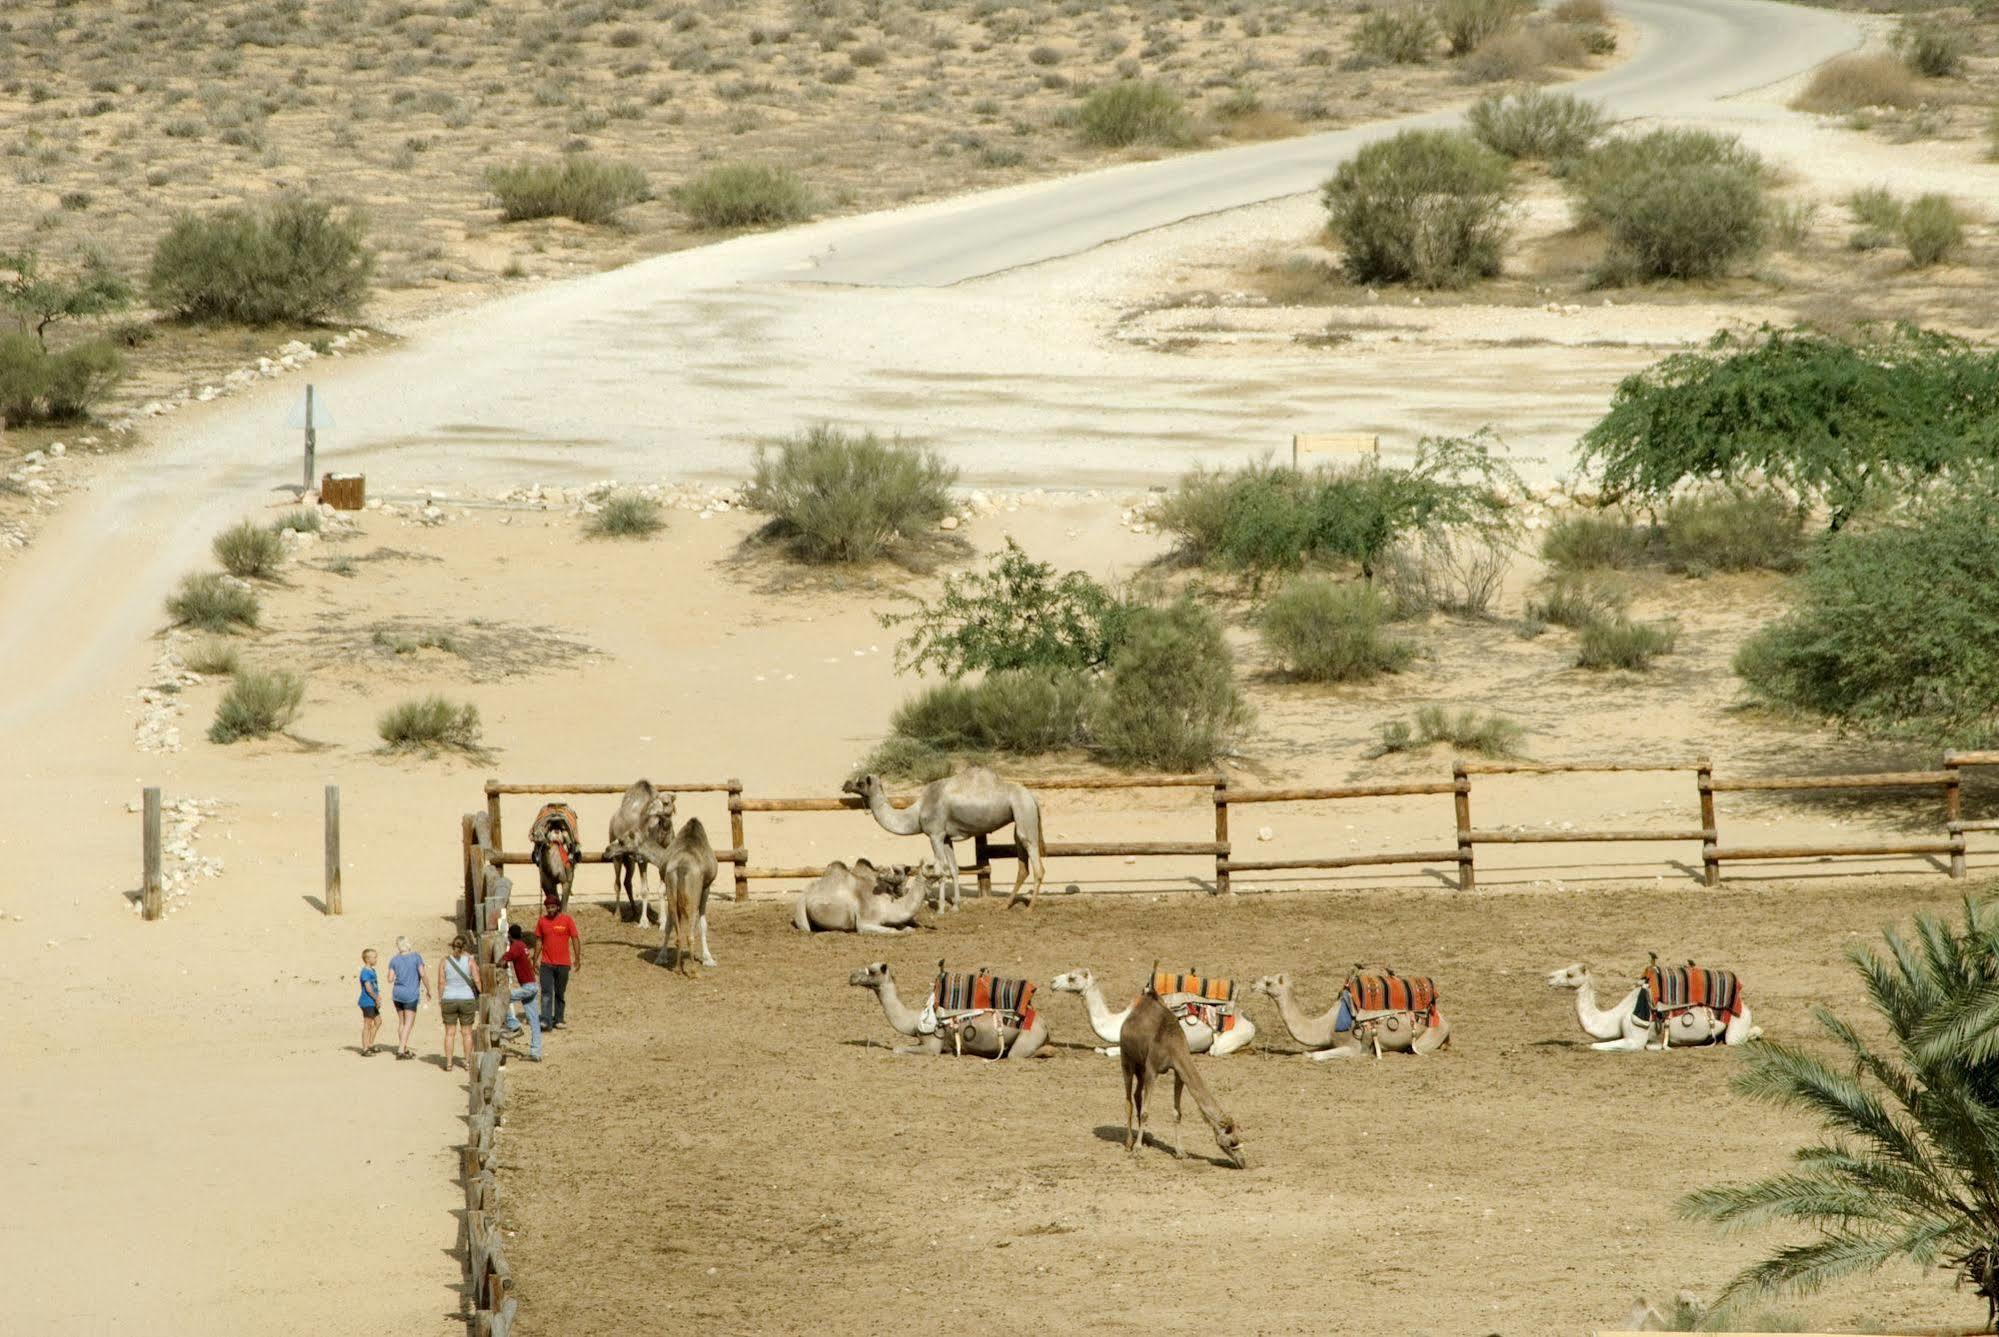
x: 799, y: 919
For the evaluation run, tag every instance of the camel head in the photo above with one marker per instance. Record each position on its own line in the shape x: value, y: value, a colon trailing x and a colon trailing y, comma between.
x: 1572, y: 976
x: 659, y: 817
x: 1229, y: 1138
x: 1273, y: 986
x: 862, y: 786
x: 870, y: 976
x: 889, y: 880
x: 1076, y: 981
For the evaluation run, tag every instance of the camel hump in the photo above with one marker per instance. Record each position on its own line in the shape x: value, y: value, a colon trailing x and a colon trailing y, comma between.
x: 694, y: 830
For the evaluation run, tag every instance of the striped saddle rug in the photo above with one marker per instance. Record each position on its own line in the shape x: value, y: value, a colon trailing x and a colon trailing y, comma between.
x: 961, y: 996
x: 1670, y: 990
x: 554, y: 816
x: 1209, y: 998
x: 1368, y: 996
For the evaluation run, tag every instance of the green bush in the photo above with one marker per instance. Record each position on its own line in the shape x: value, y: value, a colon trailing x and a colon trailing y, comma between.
x: 1575, y: 600
x: 1430, y: 207
x: 429, y: 724
x: 1895, y: 631
x: 839, y: 497
x: 299, y: 522
x: 627, y: 515
x: 586, y: 189
x: 1020, y: 712
x: 1328, y: 631
x: 1620, y: 643
x: 1133, y: 112
x: 1491, y: 735
x: 1879, y: 215
x: 745, y: 195
x: 257, y: 704
x: 1932, y: 47
x: 1854, y: 83
x: 1930, y: 229
x: 1467, y: 24
x: 1461, y: 570
x: 212, y: 656
x: 249, y: 551
x: 1537, y: 124
x: 1595, y: 540
x: 292, y: 261
x: 37, y: 385
x: 1018, y: 614
x: 1405, y: 35
x: 1170, y: 700
x: 212, y: 603
x: 1733, y: 530
x: 1673, y: 203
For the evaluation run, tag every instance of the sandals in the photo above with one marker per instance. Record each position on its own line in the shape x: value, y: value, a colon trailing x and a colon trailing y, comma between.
x: 404, y: 1053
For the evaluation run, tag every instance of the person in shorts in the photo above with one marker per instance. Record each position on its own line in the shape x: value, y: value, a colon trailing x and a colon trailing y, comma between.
x: 458, y: 997
x: 371, y: 1002
x: 408, y: 986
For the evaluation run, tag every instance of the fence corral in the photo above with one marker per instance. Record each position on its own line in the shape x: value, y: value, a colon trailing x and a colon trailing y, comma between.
x: 488, y: 1281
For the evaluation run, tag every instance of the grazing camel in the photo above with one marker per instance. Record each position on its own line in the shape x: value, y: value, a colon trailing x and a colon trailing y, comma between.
x: 991, y: 1035
x: 646, y: 812
x: 1634, y: 1022
x: 1346, y: 1032
x: 557, y: 843
x: 1149, y: 1043
x: 862, y: 898
x: 687, y: 869
x: 1201, y: 1037
x: 974, y: 802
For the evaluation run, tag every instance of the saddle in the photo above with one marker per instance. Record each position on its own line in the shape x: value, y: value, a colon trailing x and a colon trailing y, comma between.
x: 1209, y: 999
x: 556, y: 825
x: 957, y: 1000
x: 1368, y: 997
x: 1665, y: 992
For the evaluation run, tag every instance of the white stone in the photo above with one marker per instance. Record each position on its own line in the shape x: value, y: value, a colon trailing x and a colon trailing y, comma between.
x: 948, y: 522
x: 1265, y: 833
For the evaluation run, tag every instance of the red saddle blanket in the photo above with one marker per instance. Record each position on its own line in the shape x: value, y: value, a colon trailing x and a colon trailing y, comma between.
x: 1012, y: 998
x: 552, y: 816
x: 1217, y: 1007
x: 1671, y: 989
x: 1391, y: 993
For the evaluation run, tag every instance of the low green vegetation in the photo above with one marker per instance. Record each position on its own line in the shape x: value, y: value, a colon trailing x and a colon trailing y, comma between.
x: 838, y: 496
x: 1672, y: 203
x: 1466, y: 730
x: 66, y: 385
x: 39, y: 298
x: 1606, y: 540
x: 299, y: 522
x: 430, y: 724
x: 627, y: 515
x: 294, y: 260
x: 1470, y: 24
x: 1617, y: 642
x: 1135, y: 111
x: 1732, y: 529
x: 210, y: 601
x: 1932, y: 47
x: 258, y: 703
x: 212, y: 656
x: 249, y: 551
x: 577, y: 186
x: 1403, y: 34
x: 746, y: 195
x: 1855, y: 83
x: 1931, y: 230
x: 1537, y: 124
x: 1428, y: 207
x: 1325, y: 630
x: 1017, y: 614
x: 1576, y: 599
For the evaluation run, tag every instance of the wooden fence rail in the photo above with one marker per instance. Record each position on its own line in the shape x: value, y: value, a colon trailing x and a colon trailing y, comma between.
x: 1945, y: 781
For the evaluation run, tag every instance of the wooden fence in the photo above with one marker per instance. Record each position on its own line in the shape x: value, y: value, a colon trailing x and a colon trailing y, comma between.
x: 488, y: 1281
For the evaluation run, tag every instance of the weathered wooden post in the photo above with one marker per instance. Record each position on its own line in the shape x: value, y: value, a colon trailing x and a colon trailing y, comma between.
x: 1953, y: 813
x: 151, y: 894
x: 1461, y: 790
x: 1711, y: 834
x: 333, y: 905
x: 493, y: 815
x: 311, y: 443
x: 1222, y: 834
x: 736, y: 839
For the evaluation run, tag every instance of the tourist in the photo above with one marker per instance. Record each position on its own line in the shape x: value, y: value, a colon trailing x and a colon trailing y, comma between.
x: 561, y: 952
x: 526, y: 991
x: 371, y: 1002
x: 407, y: 985
x: 458, y: 997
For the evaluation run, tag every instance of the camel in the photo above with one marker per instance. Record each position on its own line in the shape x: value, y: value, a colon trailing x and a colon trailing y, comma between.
x: 645, y: 811
x: 862, y: 898
x: 556, y: 848
x: 687, y: 869
x: 1399, y: 1032
x: 1200, y: 1037
x: 974, y: 802
x: 1151, y: 1042
x: 983, y: 1037
x: 1619, y: 1029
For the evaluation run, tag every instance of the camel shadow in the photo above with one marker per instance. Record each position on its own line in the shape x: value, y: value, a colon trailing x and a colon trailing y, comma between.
x: 1114, y: 1134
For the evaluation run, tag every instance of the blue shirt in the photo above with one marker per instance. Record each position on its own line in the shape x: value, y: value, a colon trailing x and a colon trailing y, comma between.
x: 407, y: 967
x: 368, y: 998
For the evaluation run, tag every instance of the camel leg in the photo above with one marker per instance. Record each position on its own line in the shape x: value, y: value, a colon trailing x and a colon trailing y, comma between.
x: 1741, y: 1030
x: 1145, y: 1080
x: 1179, y: 1129
x: 1231, y: 1040
x: 928, y: 1047
x: 1351, y: 1049
x: 1028, y: 1043
x: 861, y: 926
x: 1130, y: 1104
x: 1629, y: 1043
x: 1433, y: 1038
x: 665, y: 925
x: 940, y: 846
x: 707, y: 957
x: 683, y: 929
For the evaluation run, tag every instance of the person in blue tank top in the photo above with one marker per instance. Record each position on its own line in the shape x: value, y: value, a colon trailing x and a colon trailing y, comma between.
x: 371, y: 1002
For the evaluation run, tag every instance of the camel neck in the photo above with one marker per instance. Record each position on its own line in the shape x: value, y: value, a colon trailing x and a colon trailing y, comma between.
x: 900, y: 1017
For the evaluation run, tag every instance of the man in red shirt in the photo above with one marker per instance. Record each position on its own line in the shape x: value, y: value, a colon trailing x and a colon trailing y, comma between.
x: 561, y: 952
x: 526, y: 990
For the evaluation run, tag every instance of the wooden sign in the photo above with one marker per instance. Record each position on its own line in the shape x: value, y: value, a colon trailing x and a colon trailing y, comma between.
x: 1346, y: 445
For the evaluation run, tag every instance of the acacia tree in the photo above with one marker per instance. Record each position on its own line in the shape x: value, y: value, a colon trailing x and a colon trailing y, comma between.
x: 39, y: 300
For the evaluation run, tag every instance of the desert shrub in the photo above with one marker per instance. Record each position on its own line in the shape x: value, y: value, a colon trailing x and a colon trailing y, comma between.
x: 1133, y: 112
x: 249, y: 550
x: 1467, y: 730
x: 1333, y: 631
x: 586, y: 189
x: 1018, y: 712
x: 1170, y: 699
x: 211, y: 656
x: 1469, y: 24
x: 1461, y: 570
x: 1537, y: 124
x: 1583, y: 12
x: 1791, y: 223
x: 1621, y: 643
x: 37, y: 385
x: 746, y: 195
x: 1850, y: 83
x: 1404, y: 35
x: 1519, y: 55
x: 1576, y: 599
x: 834, y: 496
x: 294, y: 260
x: 1673, y: 203
x: 627, y: 515
x: 429, y: 724
x: 258, y: 703
x: 1830, y: 422
x: 1732, y: 529
x: 212, y: 602
x: 40, y: 298
x: 1930, y: 229
x: 1430, y: 207
x: 1931, y: 47
x: 1595, y: 540
x: 1878, y: 216
x: 1017, y: 614
x: 1895, y: 630
x: 299, y: 522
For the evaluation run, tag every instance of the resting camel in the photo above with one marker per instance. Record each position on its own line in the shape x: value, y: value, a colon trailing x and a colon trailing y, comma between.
x: 687, y: 869
x: 974, y: 802
x: 1621, y: 1029
x: 1396, y: 1032
x: 645, y: 812
x: 862, y: 899
x: 1149, y: 1043
x: 1200, y: 1037
x: 557, y: 845
x: 984, y: 1037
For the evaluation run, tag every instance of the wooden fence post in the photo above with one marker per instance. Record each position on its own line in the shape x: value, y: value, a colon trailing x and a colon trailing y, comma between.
x: 736, y: 838
x: 333, y: 903
x: 1953, y: 813
x: 151, y: 894
x: 493, y: 814
x: 475, y: 881
x: 1710, y: 865
x: 1461, y: 794
x: 1222, y: 833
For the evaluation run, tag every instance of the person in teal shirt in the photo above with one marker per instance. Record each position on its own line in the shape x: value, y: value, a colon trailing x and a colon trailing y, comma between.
x: 371, y: 1002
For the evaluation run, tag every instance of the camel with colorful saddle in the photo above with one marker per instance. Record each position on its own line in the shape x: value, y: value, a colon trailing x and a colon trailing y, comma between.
x: 980, y: 1014
x: 1669, y: 1006
x: 556, y: 838
x: 1211, y: 1017
x: 1375, y: 1013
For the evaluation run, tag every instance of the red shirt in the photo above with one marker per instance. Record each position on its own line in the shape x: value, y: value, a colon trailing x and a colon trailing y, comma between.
x: 556, y: 933
x: 523, y: 964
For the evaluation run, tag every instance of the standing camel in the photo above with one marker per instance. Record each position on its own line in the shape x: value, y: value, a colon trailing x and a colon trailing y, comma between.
x: 687, y: 869
x: 645, y: 812
x: 557, y: 844
x: 974, y: 802
x: 1151, y: 1043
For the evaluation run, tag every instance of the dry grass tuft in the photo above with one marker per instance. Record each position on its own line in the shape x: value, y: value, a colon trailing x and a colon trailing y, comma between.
x: 1855, y: 82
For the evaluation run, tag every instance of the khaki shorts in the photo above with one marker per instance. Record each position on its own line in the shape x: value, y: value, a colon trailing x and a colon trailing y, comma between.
x: 459, y: 1011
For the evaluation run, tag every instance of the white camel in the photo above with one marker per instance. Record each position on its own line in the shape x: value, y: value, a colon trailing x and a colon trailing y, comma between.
x: 982, y: 1037
x: 862, y: 898
x: 1617, y: 1029
x: 1201, y: 1037
x: 974, y: 802
x: 1396, y: 1032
